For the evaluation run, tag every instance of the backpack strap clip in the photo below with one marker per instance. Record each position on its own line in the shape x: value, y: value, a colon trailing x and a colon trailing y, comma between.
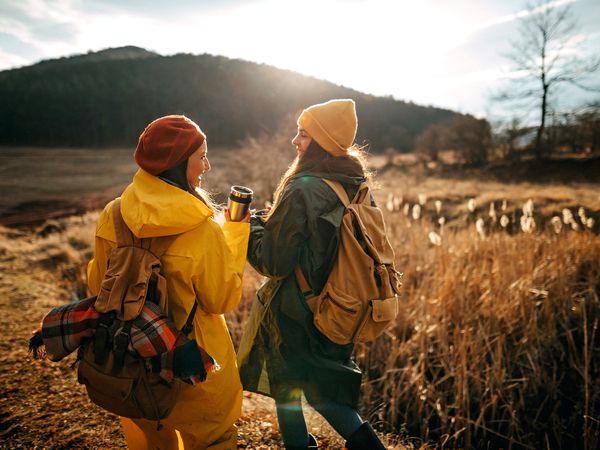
x: 189, y: 323
x: 102, y: 337
x: 122, y: 339
x: 307, y: 291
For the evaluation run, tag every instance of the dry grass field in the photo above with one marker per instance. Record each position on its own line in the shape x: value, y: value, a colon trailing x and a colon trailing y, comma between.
x: 496, y: 345
x: 39, y: 174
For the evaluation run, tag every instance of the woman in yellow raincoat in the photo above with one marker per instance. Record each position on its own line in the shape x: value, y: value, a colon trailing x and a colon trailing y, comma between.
x: 204, y: 263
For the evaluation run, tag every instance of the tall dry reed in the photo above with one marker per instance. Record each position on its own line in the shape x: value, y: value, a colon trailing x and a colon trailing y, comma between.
x: 496, y: 344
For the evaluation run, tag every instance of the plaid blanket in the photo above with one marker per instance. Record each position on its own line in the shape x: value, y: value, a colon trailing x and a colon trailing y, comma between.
x: 154, y: 337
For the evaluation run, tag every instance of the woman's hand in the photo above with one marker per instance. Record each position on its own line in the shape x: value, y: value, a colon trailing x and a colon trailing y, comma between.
x: 245, y: 219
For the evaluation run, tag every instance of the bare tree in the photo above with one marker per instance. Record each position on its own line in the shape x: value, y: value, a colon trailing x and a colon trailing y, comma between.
x: 543, y: 58
x: 431, y: 141
x: 471, y: 138
x: 508, y: 137
x: 588, y: 127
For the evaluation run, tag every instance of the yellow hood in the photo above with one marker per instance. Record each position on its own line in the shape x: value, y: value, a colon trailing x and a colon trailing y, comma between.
x: 152, y: 207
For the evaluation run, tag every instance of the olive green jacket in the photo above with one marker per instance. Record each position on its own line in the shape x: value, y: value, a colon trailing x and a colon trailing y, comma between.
x: 281, y: 347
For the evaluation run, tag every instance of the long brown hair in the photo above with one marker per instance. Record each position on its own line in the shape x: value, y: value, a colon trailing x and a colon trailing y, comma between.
x: 317, y: 159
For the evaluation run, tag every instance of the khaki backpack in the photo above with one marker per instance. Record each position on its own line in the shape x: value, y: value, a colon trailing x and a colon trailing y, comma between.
x: 360, y: 297
x: 114, y: 376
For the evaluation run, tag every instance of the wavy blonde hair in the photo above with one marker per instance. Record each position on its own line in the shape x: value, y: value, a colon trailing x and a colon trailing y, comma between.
x: 317, y: 159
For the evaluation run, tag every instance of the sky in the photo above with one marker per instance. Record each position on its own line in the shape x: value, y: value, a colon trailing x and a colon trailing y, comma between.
x: 447, y: 53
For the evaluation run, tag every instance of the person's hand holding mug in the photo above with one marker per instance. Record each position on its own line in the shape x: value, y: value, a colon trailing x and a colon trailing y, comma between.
x: 245, y: 219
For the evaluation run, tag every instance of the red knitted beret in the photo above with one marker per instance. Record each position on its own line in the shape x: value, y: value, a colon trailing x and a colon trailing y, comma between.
x: 166, y: 142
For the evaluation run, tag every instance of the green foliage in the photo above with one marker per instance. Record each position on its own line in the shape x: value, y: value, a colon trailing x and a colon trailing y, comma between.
x: 107, y: 98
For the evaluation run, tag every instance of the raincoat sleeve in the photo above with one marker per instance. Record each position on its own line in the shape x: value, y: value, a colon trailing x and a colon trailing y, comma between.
x: 275, y: 245
x: 218, y: 277
x: 102, y: 247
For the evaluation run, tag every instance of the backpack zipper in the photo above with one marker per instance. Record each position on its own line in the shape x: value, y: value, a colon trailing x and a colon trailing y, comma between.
x: 339, y: 305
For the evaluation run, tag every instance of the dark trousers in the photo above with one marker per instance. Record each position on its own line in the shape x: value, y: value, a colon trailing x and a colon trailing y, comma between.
x: 344, y: 419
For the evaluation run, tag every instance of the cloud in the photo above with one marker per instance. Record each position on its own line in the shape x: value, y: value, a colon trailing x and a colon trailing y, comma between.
x: 53, y: 28
x: 521, y: 14
x: 165, y: 9
x: 12, y: 59
x: 16, y: 30
x: 38, y: 29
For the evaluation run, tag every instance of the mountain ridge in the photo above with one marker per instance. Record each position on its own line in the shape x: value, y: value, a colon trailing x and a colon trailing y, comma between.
x: 106, y: 98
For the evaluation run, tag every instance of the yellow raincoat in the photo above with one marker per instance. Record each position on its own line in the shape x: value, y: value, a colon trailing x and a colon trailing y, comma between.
x: 206, y: 262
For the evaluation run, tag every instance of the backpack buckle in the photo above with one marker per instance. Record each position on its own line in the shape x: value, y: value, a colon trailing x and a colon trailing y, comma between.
x: 122, y: 339
x: 102, y: 338
x: 189, y: 323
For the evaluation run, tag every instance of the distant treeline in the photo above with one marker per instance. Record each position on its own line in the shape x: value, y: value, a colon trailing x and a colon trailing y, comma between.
x: 106, y: 99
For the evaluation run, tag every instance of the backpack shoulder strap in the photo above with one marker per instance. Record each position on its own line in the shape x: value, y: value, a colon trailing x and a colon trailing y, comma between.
x: 125, y: 237
x: 159, y: 245
x: 363, y: 194
x: 303, y: 283
x: 339, y: 190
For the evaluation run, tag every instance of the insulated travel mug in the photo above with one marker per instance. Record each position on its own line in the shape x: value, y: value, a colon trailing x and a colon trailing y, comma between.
x: 238, y: 202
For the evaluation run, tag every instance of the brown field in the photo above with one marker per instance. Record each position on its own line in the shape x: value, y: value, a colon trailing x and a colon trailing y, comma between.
x: 33, y: 174
x: 496, y: 346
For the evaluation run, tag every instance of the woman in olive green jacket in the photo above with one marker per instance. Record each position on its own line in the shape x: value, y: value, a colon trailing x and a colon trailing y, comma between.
x: 282, y: 354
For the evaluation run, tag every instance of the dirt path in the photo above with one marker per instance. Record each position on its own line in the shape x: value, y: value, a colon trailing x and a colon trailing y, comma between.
x: 41, y: 403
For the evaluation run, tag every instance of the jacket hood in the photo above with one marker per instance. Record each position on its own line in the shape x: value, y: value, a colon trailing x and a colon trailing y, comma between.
x: 152, y: 207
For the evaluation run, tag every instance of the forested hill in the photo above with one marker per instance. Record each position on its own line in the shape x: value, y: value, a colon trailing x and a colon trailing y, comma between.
x: 106, y: 98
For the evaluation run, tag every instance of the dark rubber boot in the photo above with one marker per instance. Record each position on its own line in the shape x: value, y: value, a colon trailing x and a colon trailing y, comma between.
x: 364, y: 439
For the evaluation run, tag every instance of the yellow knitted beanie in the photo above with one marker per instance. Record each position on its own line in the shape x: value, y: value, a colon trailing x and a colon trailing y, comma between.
x: 332, y: 124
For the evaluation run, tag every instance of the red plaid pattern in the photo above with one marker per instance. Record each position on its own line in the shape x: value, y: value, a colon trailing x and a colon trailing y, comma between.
x: 154, y: 337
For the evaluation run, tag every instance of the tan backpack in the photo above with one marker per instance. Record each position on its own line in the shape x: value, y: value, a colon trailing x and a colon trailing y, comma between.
x: 114, y: 376
x: 360, y: 297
